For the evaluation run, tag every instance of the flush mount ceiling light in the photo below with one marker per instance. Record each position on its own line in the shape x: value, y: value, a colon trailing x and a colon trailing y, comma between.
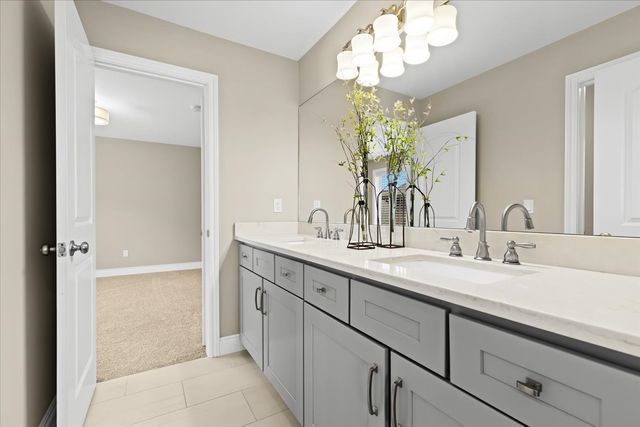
x: 101, y: 116
x: 425, y: 22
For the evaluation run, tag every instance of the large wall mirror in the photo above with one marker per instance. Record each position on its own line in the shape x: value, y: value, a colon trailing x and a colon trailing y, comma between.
x: 548, y: 98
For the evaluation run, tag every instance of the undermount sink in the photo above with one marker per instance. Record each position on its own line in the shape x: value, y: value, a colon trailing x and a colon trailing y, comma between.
x: 475, y: 272
x: 299, y: 240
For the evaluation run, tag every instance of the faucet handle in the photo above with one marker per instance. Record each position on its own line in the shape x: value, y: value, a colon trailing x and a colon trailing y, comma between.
x: 319, y: 233
x: 455, y: 249
x: 511, y: 256
x: 335, y: 233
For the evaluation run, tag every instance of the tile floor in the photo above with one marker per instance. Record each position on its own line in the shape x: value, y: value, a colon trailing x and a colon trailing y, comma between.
x: 223, y: 392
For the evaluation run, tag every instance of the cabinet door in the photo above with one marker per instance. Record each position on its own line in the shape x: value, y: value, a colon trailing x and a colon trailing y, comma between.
x: 250, y: 313
x: 283, y: 345
x: 423, y: 400
x: 344, y: 375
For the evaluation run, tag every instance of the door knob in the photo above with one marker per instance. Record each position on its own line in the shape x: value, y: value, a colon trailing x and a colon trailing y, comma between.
x: 47, y: 249
x: 82, y: 247
x: 59, y: 250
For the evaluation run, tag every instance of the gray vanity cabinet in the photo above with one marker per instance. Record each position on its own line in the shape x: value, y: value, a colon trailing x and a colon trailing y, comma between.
x: 538, y: 384
x: 251, y: 314
x: 283, y: 345
x: 345, y: 375
x: 421, y: 399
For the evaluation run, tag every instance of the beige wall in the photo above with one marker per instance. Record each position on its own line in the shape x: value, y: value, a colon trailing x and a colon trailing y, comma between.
x: 147, y: 201
x: 258, y: 116
x: 27, y: 214
x: 520, y: 105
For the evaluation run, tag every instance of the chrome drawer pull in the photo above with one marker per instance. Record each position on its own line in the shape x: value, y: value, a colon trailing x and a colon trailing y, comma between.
x: 321, y: 290
x: 373, y: 410
x: 245, y: 256
x: 285, y: 273
x: 394, y: 404
x: 530, y: 387
x: 255, y: 299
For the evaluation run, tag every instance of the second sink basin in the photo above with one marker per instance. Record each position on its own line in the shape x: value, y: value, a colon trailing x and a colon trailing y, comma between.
x: 480, y: 272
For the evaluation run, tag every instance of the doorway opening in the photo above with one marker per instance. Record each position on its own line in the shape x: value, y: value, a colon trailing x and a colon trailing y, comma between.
x: 156, y: 217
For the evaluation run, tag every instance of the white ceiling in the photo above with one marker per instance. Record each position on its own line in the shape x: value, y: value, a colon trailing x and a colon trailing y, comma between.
x: 145, y: 108
x: 285, y: 28
x: 495, y: 32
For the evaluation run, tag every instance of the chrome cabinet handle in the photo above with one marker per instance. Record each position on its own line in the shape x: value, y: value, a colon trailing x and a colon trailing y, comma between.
x: 262, y: 310
x: 82, y: 247
x: 373, y: 410
x: 245, y: 256
x: 285, y: 273
x: 321, y: 290
x: 529, y: 387
x: 394, y: 404
x: 255, y: 299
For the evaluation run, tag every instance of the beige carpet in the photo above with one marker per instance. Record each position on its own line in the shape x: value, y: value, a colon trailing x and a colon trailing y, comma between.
x: 147, y: 321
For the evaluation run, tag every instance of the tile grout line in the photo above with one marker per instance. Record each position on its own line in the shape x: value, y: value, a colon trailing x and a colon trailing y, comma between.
x: 249, y: 405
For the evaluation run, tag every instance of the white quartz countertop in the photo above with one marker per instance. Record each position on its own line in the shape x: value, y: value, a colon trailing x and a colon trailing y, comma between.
x: 598, y: 308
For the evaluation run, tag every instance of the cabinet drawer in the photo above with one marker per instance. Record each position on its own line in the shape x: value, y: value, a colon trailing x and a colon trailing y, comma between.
x: 421, y: 399
x: 327, y: 291
x: 538, y: 384
x: 246, y: 256
x: 289, y: 275
x: 263, y: 264
x: 413, y: 328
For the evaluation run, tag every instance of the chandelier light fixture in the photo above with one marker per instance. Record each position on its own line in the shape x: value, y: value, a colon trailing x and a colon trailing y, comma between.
x: 423, y: 22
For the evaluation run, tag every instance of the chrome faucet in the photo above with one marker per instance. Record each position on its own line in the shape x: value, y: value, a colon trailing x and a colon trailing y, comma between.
x: 326, y: 215
x: 483, y: 248
x: 528, y: 222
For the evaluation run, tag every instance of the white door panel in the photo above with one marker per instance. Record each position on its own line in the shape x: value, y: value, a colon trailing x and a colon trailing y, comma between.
x: 452, y: 197
x: 616, y: 169
x: 75, y: 210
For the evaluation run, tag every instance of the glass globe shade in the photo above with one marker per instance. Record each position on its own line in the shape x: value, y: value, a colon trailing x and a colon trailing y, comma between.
x: 419, y: 17
x: 385, y: 29
x: 444, y: 30
x: 362, y: 49
x: 346, y: 68
x: 392, y: 63
x: 416, y: 49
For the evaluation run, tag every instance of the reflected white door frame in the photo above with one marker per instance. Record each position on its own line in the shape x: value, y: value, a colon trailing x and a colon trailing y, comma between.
x: 210, y: 174
x: 574, y: 142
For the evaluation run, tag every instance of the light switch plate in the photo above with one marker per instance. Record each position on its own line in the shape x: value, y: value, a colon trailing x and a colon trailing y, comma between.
x: 277, y: 205
x: 529, y: 205
x: 316, y: 204
x: 125, y: 253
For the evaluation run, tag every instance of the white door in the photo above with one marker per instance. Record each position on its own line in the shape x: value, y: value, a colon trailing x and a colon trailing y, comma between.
x: 456, y: 191
x: 616, y: 168
x: 75, y: 217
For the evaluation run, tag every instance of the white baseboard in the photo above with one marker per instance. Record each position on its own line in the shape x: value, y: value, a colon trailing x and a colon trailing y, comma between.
x: 125, y: 271
x: 49, y: 418
x: 230, y: 344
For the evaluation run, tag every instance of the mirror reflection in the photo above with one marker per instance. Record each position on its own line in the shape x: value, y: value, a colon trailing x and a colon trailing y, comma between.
x: 542, y: 129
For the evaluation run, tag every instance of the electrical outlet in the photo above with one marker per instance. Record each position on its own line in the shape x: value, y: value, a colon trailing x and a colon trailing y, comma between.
x: 277, y: 205
x: 125, y: 253
x: 316, y: 204
x: 529, y: 205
